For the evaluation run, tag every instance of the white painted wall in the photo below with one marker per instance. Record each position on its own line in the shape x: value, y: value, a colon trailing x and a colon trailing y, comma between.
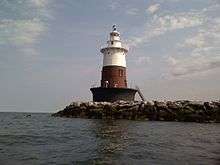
x: 112, y: 38
x: 114, y: 43
x: 114, y: 53
x: 114, y: 58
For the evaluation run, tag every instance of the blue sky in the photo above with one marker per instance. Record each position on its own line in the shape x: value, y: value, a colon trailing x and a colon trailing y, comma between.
x: 49, y: 49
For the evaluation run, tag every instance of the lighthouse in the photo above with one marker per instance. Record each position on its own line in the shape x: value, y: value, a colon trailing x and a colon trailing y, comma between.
x: 114, y: 63
x: 113, y: 76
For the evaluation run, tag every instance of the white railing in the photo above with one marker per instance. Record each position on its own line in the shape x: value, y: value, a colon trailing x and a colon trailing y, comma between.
x: 95, y: 85
x: 122, y: 46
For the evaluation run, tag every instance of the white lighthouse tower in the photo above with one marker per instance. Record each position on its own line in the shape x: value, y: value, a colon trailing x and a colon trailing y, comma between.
x: 114, y: 53
x: 113, y: 79
x: 114, y: 62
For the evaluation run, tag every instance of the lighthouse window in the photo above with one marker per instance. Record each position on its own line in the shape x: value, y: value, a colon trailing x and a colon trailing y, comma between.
x: 120, y: 72
x: 112, y: 42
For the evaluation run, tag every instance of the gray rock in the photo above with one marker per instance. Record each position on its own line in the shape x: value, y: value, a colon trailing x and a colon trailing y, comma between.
x: 182, y: 110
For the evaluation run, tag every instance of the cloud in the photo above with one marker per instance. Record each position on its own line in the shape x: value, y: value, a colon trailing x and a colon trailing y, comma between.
x: 199, y: 33
x: 159, y: 25
x: 143, y: 60
x: 193, y: 64
x: 207, y: 36
x: 195, y: 41
x: 113, y: 5
x: 205, y: 51
x: 22, y: 23
x: 20, y: 32
x: 29, y: 51
x: 132, y: 11
x: 178, y: 21
x: 153, y: 8
x: 39, y: 3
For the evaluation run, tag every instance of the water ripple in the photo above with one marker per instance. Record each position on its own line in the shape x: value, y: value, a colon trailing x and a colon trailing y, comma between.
x: 41, y: 139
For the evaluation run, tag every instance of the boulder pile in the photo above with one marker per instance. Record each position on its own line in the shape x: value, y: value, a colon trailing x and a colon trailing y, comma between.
x: 184, y: 110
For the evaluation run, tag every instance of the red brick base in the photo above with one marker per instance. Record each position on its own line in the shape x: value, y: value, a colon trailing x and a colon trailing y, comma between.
x: 113, y: 77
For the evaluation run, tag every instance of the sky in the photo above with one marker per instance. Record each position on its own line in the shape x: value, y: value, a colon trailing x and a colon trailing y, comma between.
x: 50, y: 49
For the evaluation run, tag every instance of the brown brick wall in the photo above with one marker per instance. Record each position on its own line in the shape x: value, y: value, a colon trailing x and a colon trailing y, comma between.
x: 115, y: 75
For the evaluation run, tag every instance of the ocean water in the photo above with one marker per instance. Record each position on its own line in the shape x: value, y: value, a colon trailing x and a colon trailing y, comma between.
x: 28, y: 138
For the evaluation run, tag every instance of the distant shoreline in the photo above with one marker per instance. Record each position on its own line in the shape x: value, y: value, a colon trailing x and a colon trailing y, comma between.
x: 183, y: 111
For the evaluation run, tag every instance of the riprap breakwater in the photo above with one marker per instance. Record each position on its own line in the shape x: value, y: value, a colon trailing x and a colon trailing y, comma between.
x: 185, y: 111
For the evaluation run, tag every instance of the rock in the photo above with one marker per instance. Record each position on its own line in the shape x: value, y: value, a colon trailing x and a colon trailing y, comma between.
x: 160, y: 105
x: 196, y: 105
x: 175, y: 106
x: 182, y: 110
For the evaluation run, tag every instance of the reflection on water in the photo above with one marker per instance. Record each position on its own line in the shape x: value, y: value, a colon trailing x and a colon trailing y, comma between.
x: 111, y: 140
x: 42, y: 139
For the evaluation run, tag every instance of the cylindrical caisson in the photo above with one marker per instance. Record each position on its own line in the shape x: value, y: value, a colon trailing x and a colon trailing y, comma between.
x: 113, y: 94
